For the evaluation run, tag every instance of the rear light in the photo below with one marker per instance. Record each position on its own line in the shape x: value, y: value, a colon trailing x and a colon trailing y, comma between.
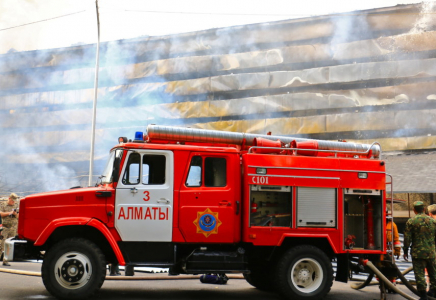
x: 362, y: 175
x: 261, y: 171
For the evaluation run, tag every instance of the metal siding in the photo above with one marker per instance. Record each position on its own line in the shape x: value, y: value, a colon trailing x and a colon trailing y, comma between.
x: 316, y: 205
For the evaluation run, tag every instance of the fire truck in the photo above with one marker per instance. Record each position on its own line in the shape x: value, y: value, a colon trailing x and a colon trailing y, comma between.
x: 277, y: 209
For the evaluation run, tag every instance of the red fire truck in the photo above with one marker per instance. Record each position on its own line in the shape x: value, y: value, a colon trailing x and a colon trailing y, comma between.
x: 277, y: 209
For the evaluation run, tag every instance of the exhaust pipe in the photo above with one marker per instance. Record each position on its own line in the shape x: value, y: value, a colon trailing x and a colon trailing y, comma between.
x: 182, y: 134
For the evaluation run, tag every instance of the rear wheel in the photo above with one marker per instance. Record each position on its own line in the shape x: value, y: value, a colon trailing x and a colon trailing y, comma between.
x: 304, y: 272
x: 73, y: 269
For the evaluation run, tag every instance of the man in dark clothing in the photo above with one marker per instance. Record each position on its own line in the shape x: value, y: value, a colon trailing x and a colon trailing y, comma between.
x: 421, y: 232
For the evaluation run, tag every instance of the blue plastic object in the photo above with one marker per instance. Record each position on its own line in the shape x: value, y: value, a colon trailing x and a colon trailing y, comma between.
x: 214, y: 278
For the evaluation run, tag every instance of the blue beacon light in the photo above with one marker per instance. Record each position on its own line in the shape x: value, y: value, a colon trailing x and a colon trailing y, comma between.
x: 139, y: 136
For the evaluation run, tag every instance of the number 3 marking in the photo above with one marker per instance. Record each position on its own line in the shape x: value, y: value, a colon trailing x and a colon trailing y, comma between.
x: 147, y: 196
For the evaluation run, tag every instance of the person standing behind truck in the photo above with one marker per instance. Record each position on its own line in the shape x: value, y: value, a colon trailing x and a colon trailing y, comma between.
x: 421, y: 232
x: 432, y: 211
x: 9, y: 215
x: 393, y: 241
x: 1, y: 236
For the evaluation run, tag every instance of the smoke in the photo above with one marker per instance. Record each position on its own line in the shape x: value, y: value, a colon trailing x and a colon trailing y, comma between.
x: 47, y: 111
x: 426, y: 18
x: 307, y: 79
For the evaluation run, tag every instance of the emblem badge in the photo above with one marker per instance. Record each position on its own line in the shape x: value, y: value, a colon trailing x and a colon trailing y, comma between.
x: 207, y: 222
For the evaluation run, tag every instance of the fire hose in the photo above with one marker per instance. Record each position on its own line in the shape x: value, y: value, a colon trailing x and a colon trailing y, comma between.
x: 368, y: 281
x: 388, y: 283
x: 185, y: 277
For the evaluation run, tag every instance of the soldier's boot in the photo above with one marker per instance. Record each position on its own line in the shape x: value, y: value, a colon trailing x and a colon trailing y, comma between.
x: 114, y: 271
x: 423, y: 295
x: 129, y: 270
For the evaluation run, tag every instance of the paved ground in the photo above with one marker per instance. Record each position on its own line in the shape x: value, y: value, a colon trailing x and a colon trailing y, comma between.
x: 14, y: 286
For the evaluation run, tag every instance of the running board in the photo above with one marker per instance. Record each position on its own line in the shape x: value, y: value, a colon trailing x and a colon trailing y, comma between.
x: 215, y: 261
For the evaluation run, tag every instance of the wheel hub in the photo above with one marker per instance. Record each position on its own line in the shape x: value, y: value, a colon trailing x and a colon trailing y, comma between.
x: 304, y: 274
x: 72, y: 270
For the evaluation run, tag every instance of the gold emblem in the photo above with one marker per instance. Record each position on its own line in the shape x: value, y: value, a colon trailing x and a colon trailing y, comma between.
x: 207, y: 222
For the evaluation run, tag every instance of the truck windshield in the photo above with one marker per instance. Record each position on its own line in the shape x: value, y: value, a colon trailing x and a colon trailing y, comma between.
x: 106, y: 176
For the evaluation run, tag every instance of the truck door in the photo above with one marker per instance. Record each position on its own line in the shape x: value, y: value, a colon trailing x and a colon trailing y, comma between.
x: 144, y: 197
x: 210, y: 199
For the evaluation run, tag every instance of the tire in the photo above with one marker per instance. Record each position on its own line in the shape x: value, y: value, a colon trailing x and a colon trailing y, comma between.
x: 304, y: 272
x: 74, y: 268
x: 260, y: 279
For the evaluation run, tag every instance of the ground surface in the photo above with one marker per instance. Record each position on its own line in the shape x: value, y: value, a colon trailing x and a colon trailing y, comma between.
x: 14, y: 286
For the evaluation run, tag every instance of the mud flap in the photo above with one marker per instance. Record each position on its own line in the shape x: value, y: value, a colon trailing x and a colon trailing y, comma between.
x: 342, y: 268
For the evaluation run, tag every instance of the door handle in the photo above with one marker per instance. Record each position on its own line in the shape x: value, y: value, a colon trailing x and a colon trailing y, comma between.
x: 237, y: 207
x: 225, y: 203
x: 163, y: 200
x: 103, y: 193
x: 134, y: 190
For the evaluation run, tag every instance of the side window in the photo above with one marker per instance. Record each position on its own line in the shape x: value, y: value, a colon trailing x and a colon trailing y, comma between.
x: 153, y: 169
x: 131, y: 175
x: 194, y: 175
x: 215, y: 171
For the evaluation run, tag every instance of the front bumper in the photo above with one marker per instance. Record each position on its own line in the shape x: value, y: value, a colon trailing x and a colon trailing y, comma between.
x: 15, y: 249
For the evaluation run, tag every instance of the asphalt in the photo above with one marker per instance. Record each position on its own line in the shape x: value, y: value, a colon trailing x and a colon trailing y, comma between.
x: 14, y: 286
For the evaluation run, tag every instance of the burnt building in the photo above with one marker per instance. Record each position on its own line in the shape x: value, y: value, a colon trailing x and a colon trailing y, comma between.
x: 362, y: 76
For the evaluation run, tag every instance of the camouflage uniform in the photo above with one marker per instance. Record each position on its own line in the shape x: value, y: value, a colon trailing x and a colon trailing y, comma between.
x: 421, y: 232
x: 10, y: 224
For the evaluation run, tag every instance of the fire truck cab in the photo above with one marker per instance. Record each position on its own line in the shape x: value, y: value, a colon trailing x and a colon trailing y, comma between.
x: 278, y: 210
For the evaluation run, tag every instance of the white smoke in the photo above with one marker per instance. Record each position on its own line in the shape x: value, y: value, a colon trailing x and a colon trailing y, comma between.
x: 426, y: 18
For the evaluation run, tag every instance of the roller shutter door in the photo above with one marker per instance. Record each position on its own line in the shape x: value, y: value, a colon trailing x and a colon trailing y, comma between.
x: 316, y: 207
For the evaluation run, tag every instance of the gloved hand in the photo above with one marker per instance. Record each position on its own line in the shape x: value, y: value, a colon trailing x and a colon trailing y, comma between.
x: 397, y: 252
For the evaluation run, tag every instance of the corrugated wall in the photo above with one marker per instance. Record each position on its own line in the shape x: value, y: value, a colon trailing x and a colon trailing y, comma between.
x: 363, y: 76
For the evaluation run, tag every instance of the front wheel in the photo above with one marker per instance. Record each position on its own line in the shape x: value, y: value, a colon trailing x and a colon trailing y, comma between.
x: 304, y: 272
x: 73, y: 269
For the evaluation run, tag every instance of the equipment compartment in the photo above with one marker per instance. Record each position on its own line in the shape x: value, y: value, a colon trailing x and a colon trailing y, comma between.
x: 270, y: 206
x: 363, y: 219
x: 316, y: 207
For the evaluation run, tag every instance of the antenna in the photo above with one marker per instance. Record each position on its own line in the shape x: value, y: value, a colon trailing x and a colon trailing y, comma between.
x: 94, y: 106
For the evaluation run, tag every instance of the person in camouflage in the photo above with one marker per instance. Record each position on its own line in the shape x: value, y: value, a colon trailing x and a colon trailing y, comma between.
x: 421, y: 232
x: 9, y: 214
x: 1, y: 229
x: 432, y: 211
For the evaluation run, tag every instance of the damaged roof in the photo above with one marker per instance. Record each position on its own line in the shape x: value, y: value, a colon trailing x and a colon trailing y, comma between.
x: 412, y: 172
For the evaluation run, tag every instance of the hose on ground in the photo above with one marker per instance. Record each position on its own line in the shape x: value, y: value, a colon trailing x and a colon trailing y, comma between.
x: 387, y: 282
x: 407, y: 283
x: 182, y: 277
x: 20, y: 272
x: 361, y: 285
x: 401, y: 275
